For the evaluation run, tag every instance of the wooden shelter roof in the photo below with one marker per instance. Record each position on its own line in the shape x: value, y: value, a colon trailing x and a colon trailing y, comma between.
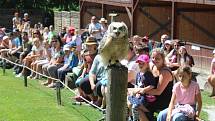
x: 128, y: 3
x: 125, y: 3
x: 206, y: 2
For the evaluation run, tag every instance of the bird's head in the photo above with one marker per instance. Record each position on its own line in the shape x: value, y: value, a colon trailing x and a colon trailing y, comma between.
x: 118, y: 30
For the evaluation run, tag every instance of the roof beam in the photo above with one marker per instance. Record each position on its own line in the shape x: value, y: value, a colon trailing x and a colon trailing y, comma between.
x: 206, y: 2
x: 125, y: 3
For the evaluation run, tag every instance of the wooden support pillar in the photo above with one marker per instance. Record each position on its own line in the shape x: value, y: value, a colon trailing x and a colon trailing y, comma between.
x: 174, y: 21
x: 103, y: 10
x: 130, y: 12
x: 81, y: 3
x: 117, y: 93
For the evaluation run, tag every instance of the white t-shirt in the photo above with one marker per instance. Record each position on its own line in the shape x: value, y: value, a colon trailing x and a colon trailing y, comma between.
x: 78, y: 42
x: 16, y: 21
x: 96, y: 26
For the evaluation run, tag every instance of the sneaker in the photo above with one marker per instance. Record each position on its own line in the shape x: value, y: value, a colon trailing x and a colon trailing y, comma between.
x: 45, y: 83
x: 97, y: 103
x: 30, y: 77
x: 19, y: 75
x: 52, y: 85
x: 36, y: 77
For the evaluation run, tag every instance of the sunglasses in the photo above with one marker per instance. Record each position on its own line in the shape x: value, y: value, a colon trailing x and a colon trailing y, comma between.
x: 54, y: 41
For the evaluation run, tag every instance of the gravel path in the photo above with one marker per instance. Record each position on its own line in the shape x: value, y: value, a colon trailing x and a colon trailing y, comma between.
x: 211, y: 111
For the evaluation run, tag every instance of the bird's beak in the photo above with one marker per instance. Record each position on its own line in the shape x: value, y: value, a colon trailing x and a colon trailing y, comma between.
x: 117, y: 33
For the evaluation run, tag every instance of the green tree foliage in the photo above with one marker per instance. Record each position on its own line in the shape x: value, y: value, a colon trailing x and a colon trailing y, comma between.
x: 46, y: 5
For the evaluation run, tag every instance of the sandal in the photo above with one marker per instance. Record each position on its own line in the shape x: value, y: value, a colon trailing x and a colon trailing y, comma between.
x: 78, y: 99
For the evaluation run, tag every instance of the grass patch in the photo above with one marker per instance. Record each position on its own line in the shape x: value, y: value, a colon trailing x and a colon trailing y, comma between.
x: 38, y: 103
x: 206, y: 101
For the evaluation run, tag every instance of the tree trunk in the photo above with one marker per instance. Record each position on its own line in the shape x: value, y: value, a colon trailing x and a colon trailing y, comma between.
x: 117, y: 93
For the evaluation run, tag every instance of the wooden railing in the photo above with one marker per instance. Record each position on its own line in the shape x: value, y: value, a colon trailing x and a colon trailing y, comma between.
x: 202, y: 55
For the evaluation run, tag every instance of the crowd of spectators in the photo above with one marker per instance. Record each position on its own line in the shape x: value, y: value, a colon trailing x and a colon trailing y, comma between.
x: 159, y: 73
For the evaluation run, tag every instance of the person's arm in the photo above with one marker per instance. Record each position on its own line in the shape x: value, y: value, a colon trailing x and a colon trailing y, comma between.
x: 5, y: 45
x: 16, y: 50
x: 131, y: 76
x: 212, y: 66
x: 199, y: 101
x: 92, y: 78
x: 58, y: 60
x: 171, y: 106
x: 84, y: 70
x: 145, y: 89
x: 164, y: 78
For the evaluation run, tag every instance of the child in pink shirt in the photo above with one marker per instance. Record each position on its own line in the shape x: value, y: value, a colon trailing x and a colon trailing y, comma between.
x: 186, y: 94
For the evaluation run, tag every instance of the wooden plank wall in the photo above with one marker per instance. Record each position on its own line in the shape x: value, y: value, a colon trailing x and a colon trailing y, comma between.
x: 95, y: 9
x: 202, y: 57
x: 145, y: 21
x: 197, y: 27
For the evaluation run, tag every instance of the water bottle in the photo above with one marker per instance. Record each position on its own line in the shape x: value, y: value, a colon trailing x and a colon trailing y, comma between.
x: 77, y: 103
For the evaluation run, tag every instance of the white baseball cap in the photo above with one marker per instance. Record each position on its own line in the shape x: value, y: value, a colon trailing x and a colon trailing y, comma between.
x: 66, y: 47
x: 5, y: 37
x: 26, y: 14
x: 168, y: 42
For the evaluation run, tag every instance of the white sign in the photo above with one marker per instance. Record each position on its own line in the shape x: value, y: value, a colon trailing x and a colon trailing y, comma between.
x: 195, y: 47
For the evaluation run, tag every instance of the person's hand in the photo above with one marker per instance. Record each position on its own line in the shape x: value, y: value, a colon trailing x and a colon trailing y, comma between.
x: 129, y: 91
x: 81, y: 77
x: 138, y: 95
x: 168, y: 118
x: 93, y: 86
x: 141, y: 91
x: 197, y: 114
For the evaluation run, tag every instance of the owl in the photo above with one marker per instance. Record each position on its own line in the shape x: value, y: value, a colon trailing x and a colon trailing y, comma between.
x: 114, y: 45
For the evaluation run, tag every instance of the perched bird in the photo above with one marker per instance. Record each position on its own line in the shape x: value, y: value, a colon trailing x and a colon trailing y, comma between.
x: 114, y: 45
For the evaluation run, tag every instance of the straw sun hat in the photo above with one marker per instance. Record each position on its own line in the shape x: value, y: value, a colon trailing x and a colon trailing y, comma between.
x: 90, y: 41
x: 102, y: 20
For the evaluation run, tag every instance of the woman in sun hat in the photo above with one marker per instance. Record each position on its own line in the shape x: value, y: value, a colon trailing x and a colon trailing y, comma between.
x: 104, y: 26
x: 167, y: 47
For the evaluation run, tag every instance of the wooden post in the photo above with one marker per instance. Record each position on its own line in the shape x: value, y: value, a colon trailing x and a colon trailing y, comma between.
x: 3, y: 66
x: 117, y: 93
x: 25, y: 77
x: 58, y: 84
x: 112, y: 15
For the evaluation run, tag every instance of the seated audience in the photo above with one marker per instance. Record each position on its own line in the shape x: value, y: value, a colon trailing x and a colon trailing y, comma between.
x: 163, y: 91
x: 70, y: 61
x: 144, y: 81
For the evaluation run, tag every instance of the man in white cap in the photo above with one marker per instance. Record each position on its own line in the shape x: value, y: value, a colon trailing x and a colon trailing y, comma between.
x: 26, y: 23
x: 4, y: 44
